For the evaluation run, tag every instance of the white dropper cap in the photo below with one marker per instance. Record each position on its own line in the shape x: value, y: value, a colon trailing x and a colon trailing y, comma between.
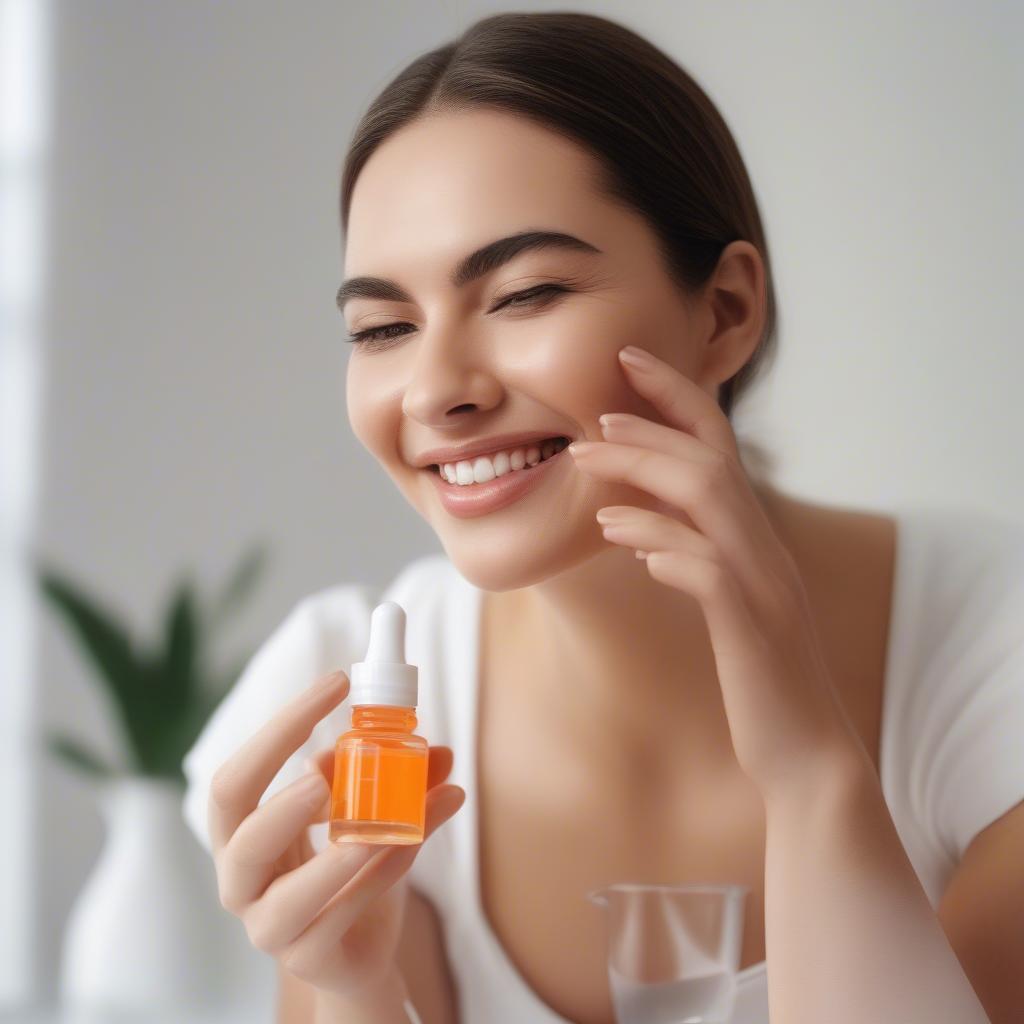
x: 383, y: 677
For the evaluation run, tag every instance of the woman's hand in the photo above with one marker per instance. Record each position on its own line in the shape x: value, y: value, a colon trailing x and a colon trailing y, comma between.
x: 331, y: 918
x: 714, y: 541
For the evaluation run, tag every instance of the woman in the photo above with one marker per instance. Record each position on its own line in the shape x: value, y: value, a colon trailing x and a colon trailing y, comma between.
x: 650, y: 664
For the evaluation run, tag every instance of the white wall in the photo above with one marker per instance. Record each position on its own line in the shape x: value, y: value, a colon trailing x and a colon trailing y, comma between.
x: 194, y: 387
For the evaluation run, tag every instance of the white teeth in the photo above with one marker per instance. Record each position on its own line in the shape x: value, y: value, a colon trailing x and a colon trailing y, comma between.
x: 484, y: 468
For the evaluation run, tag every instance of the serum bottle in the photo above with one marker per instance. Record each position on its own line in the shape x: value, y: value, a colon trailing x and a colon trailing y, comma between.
x: 379, y: 792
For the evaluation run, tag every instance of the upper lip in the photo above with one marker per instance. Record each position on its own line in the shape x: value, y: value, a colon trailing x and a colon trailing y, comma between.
x: 482, y: 446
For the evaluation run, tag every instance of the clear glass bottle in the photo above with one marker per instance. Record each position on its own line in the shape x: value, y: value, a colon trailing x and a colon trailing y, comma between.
x: 379, y: 793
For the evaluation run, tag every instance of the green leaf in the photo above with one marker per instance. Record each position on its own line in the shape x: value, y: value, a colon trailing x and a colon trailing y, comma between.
x: 158, y: 706
x: 164, y: 696
x: 104, y: 641
x: 176, y: 676
x: 77, y: 756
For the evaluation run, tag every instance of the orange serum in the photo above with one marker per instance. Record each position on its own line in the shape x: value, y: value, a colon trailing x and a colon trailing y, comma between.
x: 379, y: 793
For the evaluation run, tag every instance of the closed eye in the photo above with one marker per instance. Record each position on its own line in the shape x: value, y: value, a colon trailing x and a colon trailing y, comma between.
x: 377, y: 335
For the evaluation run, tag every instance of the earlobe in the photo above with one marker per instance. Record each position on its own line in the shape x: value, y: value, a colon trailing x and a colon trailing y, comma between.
x: 730, y: 349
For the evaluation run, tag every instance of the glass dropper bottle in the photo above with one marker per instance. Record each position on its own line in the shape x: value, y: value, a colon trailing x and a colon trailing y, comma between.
x: 380, y: 765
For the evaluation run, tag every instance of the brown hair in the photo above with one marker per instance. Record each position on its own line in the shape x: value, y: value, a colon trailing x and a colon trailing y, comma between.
x: 663, y: 148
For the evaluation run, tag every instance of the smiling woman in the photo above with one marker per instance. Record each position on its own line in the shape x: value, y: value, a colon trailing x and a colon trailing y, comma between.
x: 557, y: 287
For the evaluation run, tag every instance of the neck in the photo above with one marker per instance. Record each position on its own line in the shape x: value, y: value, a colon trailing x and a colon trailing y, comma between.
x: 618, y: 658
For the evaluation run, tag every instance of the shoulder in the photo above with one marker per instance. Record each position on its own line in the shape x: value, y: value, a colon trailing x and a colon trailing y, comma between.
x: 834, y: 520
x: 956, y: 695
x: 846, y: 556
x: 950, y: 579
x: 963, y: 579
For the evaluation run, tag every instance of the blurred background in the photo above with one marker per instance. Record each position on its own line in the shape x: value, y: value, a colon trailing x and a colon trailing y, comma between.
x: 172, y: 363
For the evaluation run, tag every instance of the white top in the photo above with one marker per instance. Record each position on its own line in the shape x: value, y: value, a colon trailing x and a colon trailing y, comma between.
x: 951, y: 758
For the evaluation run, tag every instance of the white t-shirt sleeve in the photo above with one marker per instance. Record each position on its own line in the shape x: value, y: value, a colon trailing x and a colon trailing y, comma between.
x: 977, y: 762
x: 323, y: 632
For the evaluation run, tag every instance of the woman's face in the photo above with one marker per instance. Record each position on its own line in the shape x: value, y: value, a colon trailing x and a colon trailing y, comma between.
x: 453, y: 368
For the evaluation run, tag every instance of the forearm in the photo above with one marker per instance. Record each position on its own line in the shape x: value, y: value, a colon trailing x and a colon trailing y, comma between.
x: 384, y: 1004
x: 849, y: 932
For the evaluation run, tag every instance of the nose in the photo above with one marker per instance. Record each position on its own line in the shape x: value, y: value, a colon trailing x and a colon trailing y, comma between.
x: 448, y: 377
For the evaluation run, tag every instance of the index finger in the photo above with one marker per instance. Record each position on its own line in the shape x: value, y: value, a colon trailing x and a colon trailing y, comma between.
x: 240, y: 781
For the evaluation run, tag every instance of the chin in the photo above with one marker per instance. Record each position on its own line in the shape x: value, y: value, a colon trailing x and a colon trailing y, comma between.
x: 500, y: 568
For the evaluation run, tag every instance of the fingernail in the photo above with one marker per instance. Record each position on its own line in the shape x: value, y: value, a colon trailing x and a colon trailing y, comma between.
x: 637, y: 357
x: 310, y: 765
x: 613, y: 419
x: 581, y: 447
x: 641, y: 554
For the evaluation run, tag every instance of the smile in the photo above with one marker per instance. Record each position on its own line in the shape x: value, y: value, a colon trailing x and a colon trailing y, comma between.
x: 484, y: 468
x: 469, y: 500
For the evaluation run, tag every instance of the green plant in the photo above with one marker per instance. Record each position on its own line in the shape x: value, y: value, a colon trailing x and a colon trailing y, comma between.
x: 164, y: 694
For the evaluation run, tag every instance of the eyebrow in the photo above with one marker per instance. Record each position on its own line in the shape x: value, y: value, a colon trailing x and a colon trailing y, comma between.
x: 476, y: 265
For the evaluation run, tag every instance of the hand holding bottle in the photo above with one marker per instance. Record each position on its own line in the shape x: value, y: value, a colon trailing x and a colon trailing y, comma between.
x: 331, y: 918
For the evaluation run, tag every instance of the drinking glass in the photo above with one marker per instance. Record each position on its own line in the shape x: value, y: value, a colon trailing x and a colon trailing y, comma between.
x: 673, y: 950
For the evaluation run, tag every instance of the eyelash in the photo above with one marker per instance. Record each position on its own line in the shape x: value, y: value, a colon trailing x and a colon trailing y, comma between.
x: 369, y: 336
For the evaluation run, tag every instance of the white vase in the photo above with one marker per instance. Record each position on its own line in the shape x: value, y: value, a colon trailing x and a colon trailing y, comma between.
x: 147, y: 932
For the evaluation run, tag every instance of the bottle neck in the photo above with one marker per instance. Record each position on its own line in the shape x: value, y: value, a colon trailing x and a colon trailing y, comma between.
x: 384, y: 716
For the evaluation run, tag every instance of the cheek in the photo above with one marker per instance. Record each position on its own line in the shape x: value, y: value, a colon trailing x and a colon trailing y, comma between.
x: 371, y: 414
x: 574, y: 367
x: 357, y: 406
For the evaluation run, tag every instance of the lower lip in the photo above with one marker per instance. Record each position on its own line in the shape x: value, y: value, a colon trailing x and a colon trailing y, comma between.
x: 467, y: 501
